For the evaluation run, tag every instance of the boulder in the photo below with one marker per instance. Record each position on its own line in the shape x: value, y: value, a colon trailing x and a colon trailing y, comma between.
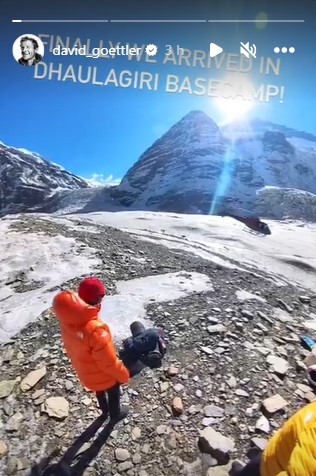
x: 274, y: 404
x: 56, y: 407
x: 217, y: 445
x: 278, y: 365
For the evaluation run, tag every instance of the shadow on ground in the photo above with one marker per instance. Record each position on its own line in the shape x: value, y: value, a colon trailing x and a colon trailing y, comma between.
x: 72, y: 463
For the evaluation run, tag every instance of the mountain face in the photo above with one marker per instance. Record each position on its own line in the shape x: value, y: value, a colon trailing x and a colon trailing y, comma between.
x: 260, y: 126
x: 198, y: 168
x: 176, y: 172
x: 27, y: 180
x: 280, y: 203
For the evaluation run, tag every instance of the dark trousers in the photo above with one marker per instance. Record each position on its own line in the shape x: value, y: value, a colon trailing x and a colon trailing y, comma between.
x: 252, y: 468
x: 109, y: 401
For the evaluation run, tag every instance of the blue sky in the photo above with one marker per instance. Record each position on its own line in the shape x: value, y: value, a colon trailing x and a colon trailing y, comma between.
x: 92, y: 129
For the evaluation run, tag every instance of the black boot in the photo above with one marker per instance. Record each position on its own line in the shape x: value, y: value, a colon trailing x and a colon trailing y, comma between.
x: 119, y: 414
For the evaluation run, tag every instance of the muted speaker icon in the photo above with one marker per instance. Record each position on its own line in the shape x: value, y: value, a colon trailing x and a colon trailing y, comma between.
x: 247, y: 50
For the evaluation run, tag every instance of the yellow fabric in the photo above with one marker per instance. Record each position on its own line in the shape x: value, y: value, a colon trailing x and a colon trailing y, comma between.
x: 292, y: 450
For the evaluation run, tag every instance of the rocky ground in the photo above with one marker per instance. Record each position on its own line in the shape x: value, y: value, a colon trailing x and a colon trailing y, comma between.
x: 232, y: 375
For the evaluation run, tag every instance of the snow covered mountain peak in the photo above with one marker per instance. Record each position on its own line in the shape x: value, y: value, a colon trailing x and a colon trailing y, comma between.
x: 180, y: 163
x: 26, y: 179
x: 196, y: 165
x: 240, y: 128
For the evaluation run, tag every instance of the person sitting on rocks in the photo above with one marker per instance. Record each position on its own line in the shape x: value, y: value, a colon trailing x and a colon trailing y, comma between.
x: 89, y: 346
x: 290, y: 452
x: 145, y: 348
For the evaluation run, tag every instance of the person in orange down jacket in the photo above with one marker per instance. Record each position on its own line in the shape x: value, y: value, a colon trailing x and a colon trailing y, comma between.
x: 89, y: 346
x: 290, y: 452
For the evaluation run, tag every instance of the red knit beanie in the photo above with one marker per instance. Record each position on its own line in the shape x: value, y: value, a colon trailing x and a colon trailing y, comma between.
x: 91, y: 290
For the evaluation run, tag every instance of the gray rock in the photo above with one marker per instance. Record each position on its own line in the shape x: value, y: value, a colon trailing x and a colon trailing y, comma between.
x: 220, y: 350
x: 243, y: 295
x: 217, y: 329
x: 263, y: 350
x: 38, y: 393
x: 32, y: 379
x: 232, y: 382
x: 248, y: 314
x: 213, y: 411
x: 136, y: 433
x: 164, y: 386
x: 282, y: 316
x: 278, y: 365
x: 172, y: 371
x: 8, y: 355
x: 213, y: 320
x: 241, y: 393
x: 192, y: 469
x: 56, y: 407
x: 69, y: 385
x: 274, y: 404
x: 40, y: 400
x: 230, y: 410
x: 214, y: 443
x: 137, y: 458
x: 219, y: 470
x: 207, y: 350
x: 172, y: 442
x: 6, y: 388
x: 304, y: 388
x: 125, y: 466
x: 146, y: 448
x: 12, y: 465
x: 209, y: 421
x: 14, y: 422
x: 194, y: 409
x: 305, y: 299
x: 284, y: 306
x: 179, y: 387
x: 259, y: 443
x: 161, y: 429
x: 262, y: 327
x: 122, y: 454
x: 263, y: 425
x: 142, y: 473
x: 265, y: 317
x: 208, y: 461
x: 3, y: 448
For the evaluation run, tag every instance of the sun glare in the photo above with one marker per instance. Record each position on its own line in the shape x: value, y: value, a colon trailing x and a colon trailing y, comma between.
x: 233, y: 103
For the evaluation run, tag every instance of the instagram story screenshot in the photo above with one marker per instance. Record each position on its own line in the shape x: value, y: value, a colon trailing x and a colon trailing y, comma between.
x: 158, y: 238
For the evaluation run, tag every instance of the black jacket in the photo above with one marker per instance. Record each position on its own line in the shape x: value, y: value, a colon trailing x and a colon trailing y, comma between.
x: 36, y: 60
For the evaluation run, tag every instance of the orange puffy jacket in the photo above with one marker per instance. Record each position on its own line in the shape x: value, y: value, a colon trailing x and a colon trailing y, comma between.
x: 88, y: 343
x: 292, y: 450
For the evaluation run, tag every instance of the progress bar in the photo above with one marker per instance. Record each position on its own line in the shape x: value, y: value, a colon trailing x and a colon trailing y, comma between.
x: 256, y: 21
x: 60, y: 21
x: 158, y: 21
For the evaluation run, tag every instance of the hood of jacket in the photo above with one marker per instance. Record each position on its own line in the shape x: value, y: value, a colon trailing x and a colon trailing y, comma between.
x: 72, y: 311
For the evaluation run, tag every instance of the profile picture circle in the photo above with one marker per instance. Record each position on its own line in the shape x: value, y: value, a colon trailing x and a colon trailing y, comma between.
x: 28, y: 49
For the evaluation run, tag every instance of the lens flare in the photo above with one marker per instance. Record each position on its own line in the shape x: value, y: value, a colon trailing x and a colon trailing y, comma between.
x: 234, y: 103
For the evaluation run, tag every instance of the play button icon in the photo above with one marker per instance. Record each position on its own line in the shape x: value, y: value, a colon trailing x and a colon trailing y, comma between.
x: 215, y: 50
